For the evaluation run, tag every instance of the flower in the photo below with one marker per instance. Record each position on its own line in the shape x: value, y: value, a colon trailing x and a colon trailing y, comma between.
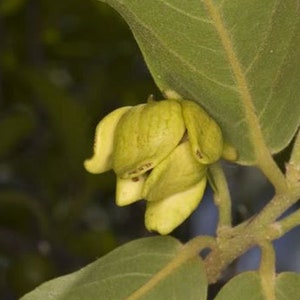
x: 159, y: 151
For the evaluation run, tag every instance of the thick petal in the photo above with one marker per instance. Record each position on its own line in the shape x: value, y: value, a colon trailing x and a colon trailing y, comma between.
x: 129, y: 190
x: 178, y: 172
x: 229, y: 152
x: 104, y: 141
x: 203, y: 132
x: 145, y: 136
x: 165, y: 215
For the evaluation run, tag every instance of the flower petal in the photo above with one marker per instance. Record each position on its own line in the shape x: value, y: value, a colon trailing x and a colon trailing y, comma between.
x: 165, y: 215
x: 176, y: 173
x: 129, y: 190
x: 145, y: 136
x: 104, y: 142
x: 229, y: 152
x: 203, y: 132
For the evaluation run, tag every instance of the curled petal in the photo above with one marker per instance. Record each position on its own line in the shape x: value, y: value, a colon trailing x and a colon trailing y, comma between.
x: 104, y: 142
x: 129, y: 190
x: 176, y: 173
x: 145, y: 136
x: 165, y: 215
x: 203, y: 132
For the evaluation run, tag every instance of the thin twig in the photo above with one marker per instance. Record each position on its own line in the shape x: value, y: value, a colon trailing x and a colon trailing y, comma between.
x: 267, y: 270
x: 221, y: 195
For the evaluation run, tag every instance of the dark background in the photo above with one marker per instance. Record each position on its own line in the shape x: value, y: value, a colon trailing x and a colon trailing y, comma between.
x: 63, y: 66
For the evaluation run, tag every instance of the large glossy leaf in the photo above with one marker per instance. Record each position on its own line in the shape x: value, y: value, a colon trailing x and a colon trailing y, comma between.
x: 126, y: 269
x: 221, y: 53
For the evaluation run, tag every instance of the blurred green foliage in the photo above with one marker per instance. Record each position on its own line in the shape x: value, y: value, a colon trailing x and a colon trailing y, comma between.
x: 63, y: 66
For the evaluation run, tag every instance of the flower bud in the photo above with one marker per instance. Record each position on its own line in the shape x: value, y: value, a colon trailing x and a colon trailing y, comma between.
x: 159, y: 152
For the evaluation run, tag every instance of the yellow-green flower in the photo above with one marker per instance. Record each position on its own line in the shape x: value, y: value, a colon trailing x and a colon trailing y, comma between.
x: 159, y: 151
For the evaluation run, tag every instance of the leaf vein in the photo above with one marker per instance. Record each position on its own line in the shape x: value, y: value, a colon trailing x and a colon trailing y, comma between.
x: 277, y: 76
x: 263, y: 42
x: 179, y: 57
x: 203, y: 20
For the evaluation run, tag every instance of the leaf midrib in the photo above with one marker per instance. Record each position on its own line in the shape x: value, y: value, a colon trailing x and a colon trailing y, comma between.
x: 262, y: 154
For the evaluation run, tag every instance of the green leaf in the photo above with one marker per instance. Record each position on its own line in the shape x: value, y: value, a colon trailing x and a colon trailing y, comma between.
x: 288, y: 286
x: 245, y: 286
x: 126, y: 269
x: 223, y: 54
